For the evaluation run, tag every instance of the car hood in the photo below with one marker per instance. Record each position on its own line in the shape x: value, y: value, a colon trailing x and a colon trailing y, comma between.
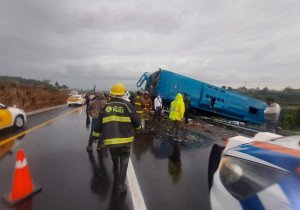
x: 283, y: 153
x: 14, y: 109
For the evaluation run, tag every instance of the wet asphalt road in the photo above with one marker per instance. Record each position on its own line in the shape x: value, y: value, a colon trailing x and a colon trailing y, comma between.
x: 34, y: 120
x: 172, y: 175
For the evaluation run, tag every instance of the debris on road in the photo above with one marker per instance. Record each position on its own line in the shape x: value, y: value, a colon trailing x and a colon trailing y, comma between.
x: 216, y: 133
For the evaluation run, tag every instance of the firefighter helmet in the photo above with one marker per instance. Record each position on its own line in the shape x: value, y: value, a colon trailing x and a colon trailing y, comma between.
x: 118, y: 89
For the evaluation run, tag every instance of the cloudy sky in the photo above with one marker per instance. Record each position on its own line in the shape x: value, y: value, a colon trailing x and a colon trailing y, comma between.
x: 86, y: 42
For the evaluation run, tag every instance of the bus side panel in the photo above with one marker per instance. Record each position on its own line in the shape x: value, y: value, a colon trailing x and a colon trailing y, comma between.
x: 208, y: 93
x: 255, y: 111
x: 171, y: 84
x: 193, y: 88
x: 228, y: 104
x: 167, y: 86
x: 235, y: 105
x: 261, y: 115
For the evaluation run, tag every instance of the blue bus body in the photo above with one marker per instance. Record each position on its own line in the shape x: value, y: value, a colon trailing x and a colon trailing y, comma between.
x: 228, y: 103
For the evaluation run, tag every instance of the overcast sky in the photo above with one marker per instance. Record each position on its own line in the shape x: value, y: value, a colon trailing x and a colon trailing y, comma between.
x: 86, y: 42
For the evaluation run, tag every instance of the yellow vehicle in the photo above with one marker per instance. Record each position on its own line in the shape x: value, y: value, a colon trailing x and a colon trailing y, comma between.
x: 11, y: 117
x: 76, y: 100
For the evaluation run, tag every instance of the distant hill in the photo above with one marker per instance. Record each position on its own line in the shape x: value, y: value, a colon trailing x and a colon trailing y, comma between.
x: 24, y: 81
x: 287, y: 97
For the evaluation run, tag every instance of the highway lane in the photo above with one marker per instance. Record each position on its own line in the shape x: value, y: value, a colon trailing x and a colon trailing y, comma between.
x: 171, y: 175
x: 71, y: 178
x: 34, y: 120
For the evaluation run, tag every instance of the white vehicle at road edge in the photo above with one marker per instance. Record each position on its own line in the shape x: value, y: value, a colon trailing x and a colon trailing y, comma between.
x: 11, y: 117
x: 76, y: 100
x: 256, y: 173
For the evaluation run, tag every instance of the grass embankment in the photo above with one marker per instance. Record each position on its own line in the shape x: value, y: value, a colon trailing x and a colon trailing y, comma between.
x: 31, y: 97
x: 290, y: 120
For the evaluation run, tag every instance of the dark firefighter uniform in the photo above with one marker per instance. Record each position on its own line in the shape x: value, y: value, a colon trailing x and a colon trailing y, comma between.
x: 139, y: 104
x: 116, y: 127
x: 148, y: 102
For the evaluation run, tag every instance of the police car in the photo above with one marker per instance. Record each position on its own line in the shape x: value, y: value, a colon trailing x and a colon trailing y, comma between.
x: 10, y: 116
x: 256, y: 173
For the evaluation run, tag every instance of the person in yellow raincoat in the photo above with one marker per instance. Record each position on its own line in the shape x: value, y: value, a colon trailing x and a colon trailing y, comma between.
x: 177, y: 110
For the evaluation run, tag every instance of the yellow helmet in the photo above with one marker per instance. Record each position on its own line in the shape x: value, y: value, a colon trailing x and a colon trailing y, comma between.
x: 118, y: 89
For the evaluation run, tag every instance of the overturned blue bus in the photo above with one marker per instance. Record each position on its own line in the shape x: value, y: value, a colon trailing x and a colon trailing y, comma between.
x: 227, y: 103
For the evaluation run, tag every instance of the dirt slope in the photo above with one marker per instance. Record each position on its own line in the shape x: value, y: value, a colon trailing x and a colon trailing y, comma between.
x: 30, y: 97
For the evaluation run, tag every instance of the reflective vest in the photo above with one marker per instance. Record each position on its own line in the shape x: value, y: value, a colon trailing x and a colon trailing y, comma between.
x: 148, y: 104
x: 139, y: 104
x: 177, y: 108
x: 117, y: 123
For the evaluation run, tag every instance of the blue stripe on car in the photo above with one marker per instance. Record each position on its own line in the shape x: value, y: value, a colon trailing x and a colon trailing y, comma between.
x: 282, y: 160
x: 290, y: 186
x: 252, y: 203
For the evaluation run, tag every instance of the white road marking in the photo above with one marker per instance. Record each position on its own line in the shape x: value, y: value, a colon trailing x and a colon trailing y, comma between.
x: 136, y: 194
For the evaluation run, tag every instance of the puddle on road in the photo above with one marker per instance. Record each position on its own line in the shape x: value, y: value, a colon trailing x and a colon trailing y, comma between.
x: 164, y: 145
x: 174, y: 168
x: 8, y: 147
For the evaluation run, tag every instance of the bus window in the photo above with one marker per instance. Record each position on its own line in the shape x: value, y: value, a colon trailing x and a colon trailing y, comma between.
x: 253, y: 110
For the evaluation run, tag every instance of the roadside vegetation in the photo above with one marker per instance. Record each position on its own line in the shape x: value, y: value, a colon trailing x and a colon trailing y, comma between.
x: 30, y: 94
x: 23, y: 81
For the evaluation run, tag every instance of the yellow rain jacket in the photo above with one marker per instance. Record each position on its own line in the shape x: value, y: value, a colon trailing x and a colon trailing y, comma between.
x: 177, y: 108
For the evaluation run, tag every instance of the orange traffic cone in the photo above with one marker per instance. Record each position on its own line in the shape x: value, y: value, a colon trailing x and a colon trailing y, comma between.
x: 23, y: 186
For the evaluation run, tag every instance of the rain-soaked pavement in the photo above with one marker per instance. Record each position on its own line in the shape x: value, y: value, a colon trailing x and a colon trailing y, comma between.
x: 34, y: 120
x: 171, y: 174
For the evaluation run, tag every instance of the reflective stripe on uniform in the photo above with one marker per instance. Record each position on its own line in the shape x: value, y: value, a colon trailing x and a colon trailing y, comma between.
x: 116, y: 119
x: 118, y: 140
x: 139, y: 112
x: 137, y: 103
x: 95, y: 134
x: 139, y: 128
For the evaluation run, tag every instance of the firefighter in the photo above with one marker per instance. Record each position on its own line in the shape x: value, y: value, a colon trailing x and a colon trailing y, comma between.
x: 87, y: 101
x: 116, y: 126
x: 93, y: 110
x: 148, y: 104
x: 139, y: 103
x: 177, y: 110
